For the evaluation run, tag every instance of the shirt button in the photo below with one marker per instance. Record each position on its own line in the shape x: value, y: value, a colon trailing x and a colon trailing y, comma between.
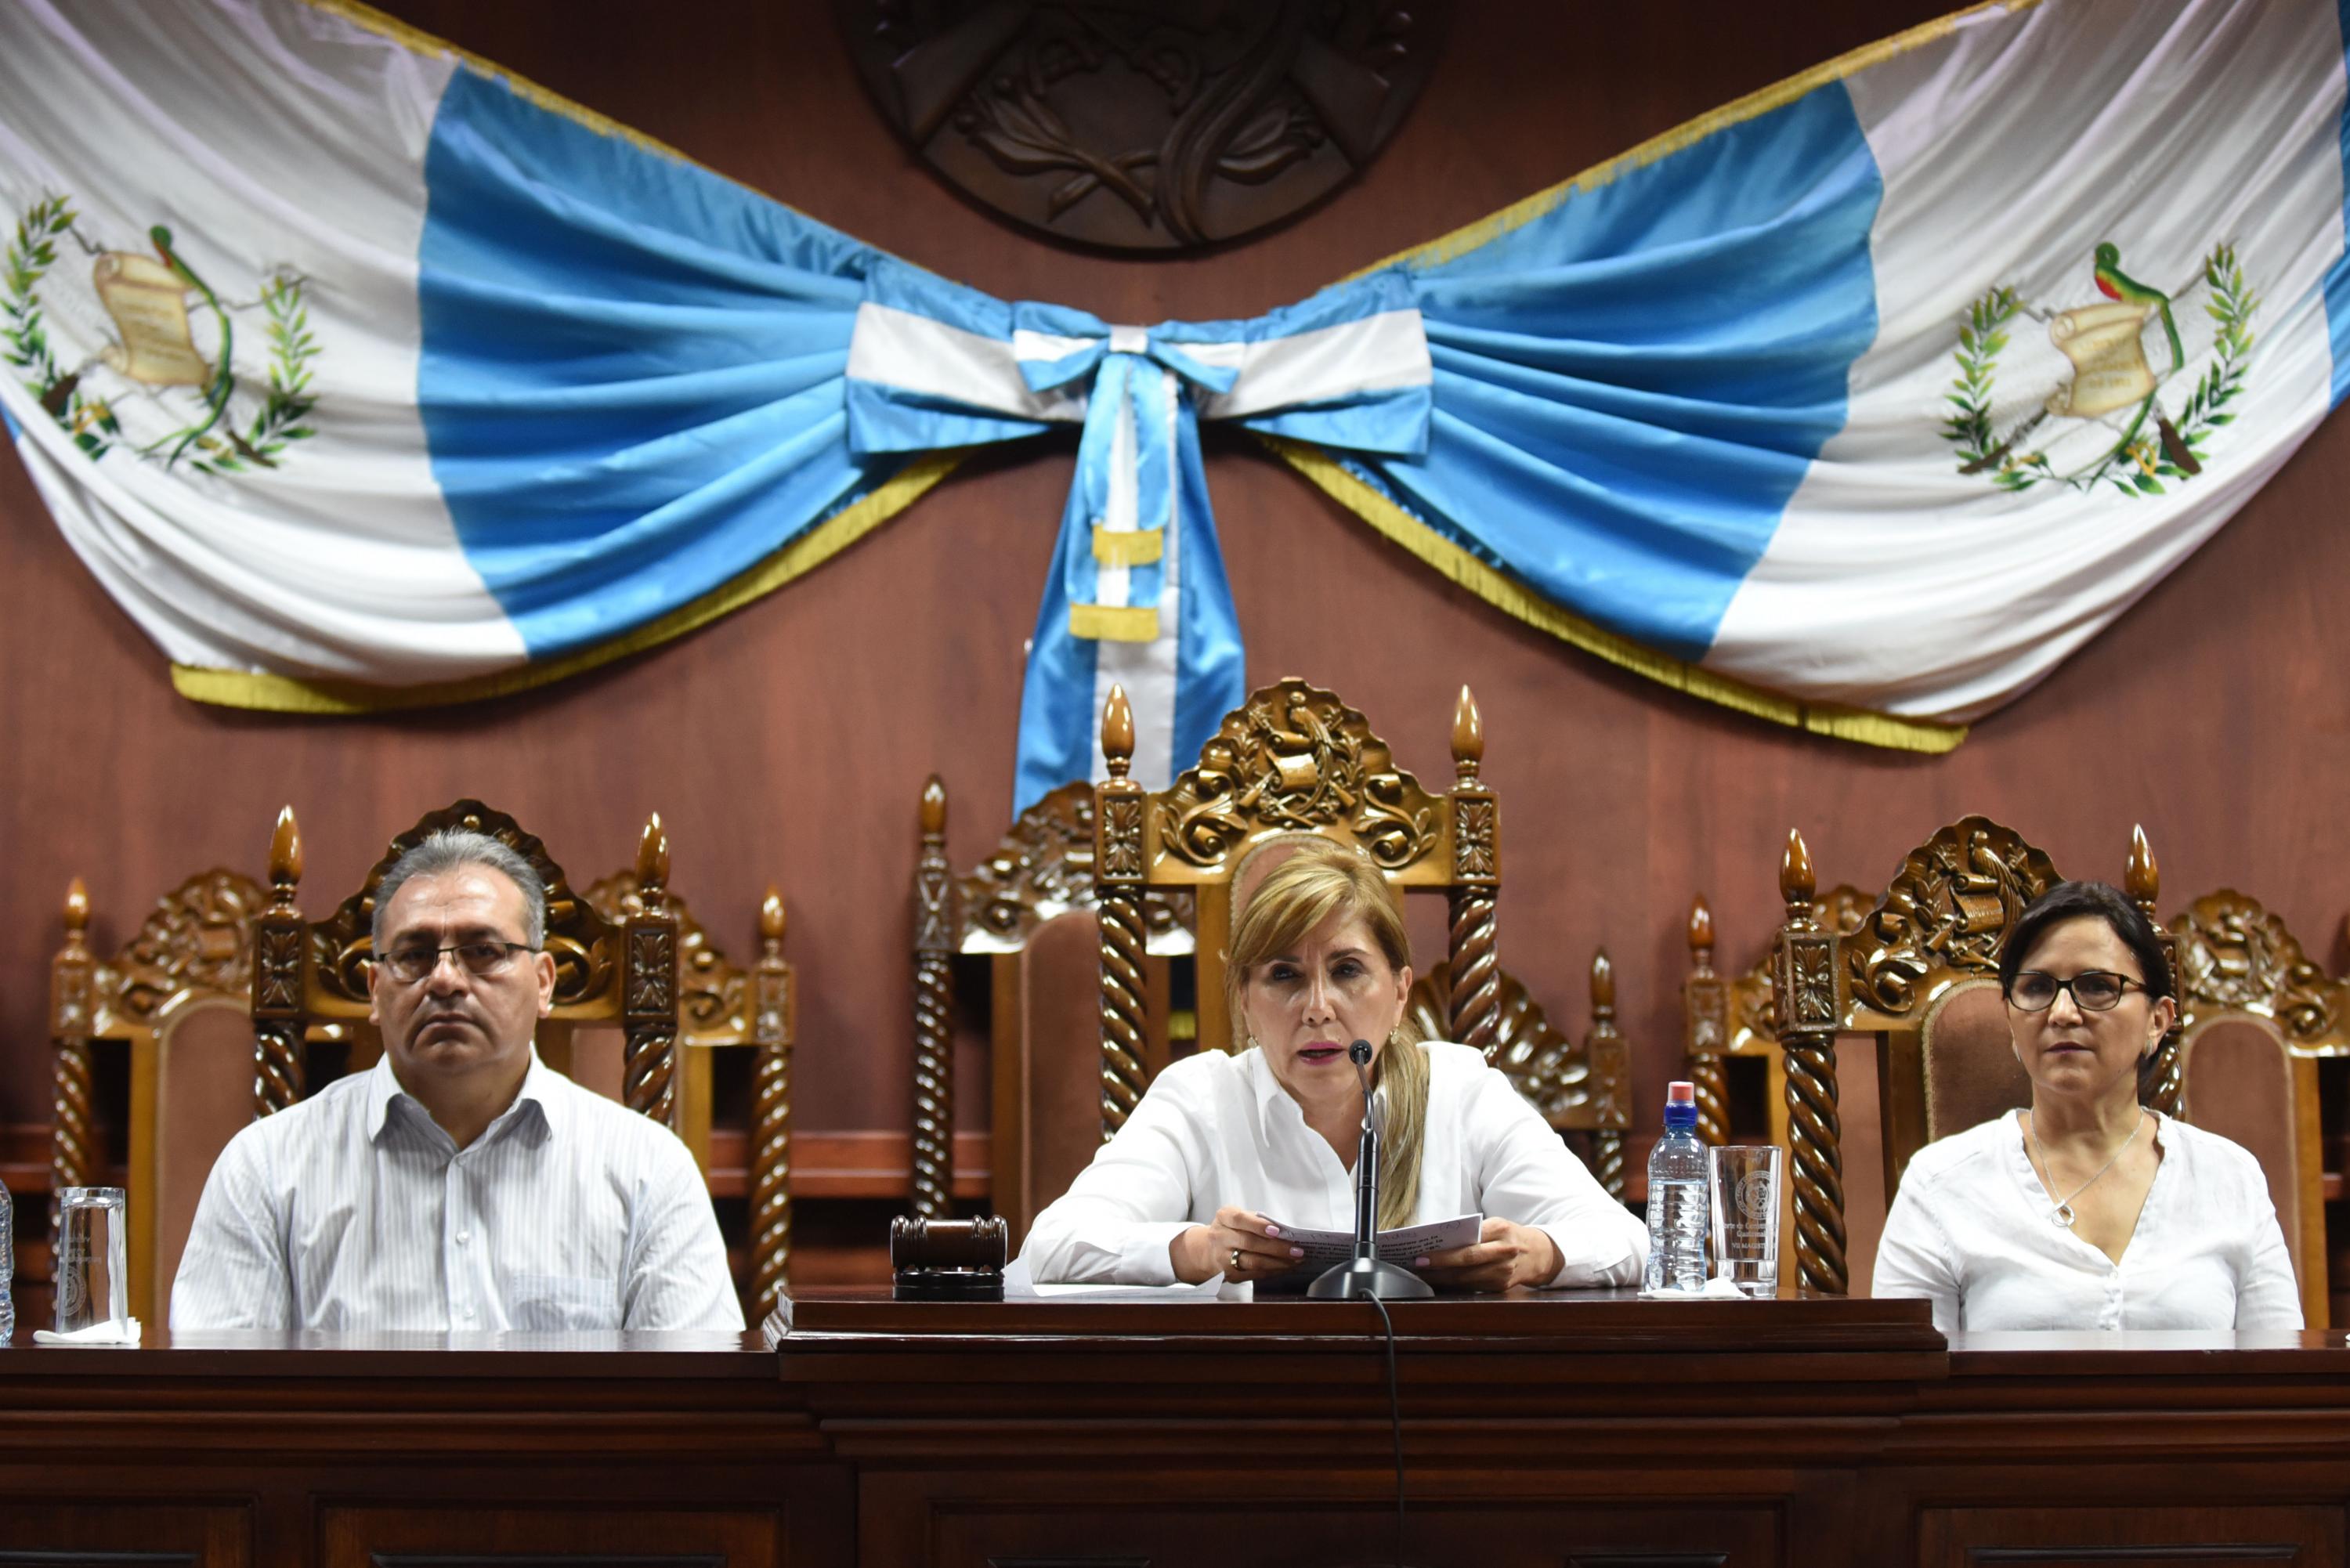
x: 467, y: 1314
x: 463, y: 1237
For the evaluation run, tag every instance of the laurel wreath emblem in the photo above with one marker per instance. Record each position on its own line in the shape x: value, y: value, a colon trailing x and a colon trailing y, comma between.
x: 2137, y: 465
x: 220, y: 447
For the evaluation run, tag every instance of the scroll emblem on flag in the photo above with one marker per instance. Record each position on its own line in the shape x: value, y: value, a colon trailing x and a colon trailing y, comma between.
x: 2119, y: 417
x: 147, y: 388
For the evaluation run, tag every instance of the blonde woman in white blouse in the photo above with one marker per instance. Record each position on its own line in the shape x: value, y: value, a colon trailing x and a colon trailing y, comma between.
x: 2088, y: 1210
x: 1225, y: 1147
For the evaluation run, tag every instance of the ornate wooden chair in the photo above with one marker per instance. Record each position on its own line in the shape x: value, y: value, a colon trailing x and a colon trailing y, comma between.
x: 723, y: 1010
x: 1026, y: 913
x: 1727, y: 1021
x: 1028, y: 910
x: 1584, y: 1088
x: 2256, y: 1016
x: 606, y: 972
x: 174, y: 998
x: 1291, y: 759
x: 1919, y: 974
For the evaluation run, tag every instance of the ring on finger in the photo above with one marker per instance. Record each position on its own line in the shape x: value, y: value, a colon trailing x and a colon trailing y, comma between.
x: 1236, y: 1262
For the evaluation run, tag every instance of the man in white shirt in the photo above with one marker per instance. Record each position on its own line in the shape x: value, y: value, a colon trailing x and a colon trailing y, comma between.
x: 461, y: 1185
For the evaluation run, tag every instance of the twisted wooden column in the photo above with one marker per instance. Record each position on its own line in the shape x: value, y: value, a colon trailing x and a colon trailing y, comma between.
x: 934, y: 943
x: 1119, y: 873
x: 1610, y: 1063
x: 2163, y: 1084
x: 1804, y: 989
x: 1474, y: 966
x: 771, y: 1114
x: 279, y: 1021
x: 649, y: 993
x: 73, y: 1010
x: 1705, y: 1011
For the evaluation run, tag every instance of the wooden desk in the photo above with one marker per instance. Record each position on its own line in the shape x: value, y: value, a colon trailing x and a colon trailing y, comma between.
x: 1565, y: 1430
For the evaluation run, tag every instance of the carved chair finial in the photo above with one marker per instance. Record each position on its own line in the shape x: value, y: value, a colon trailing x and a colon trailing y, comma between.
x: 76, y: 911
x: 1118, y: 732
x: 2144, y: 881
x: 285, y: 854
x: 1603, y: 987
x: 1797, y: 883
x: 1468, y: 736
x: 934, y: 811
x: 652, y: 863
x: 1700, y: 930
x: 771, y: 920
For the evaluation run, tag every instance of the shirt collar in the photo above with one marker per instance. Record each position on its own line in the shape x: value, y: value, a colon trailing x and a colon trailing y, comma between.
x: 541, y: 1096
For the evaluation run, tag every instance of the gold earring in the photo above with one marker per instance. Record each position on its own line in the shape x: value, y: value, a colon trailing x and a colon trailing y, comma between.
x: 1395, y: 1036
x: 1251, y: 1042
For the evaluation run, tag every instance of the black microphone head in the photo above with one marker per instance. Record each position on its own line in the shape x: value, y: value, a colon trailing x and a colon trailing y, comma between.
x: 1359, y: 1053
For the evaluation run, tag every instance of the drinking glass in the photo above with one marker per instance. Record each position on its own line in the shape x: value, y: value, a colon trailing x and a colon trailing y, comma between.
x: 1744, y: 1183
x: 91, y: 1248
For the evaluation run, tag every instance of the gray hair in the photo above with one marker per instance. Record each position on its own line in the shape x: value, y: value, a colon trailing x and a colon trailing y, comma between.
x: 453, y: 849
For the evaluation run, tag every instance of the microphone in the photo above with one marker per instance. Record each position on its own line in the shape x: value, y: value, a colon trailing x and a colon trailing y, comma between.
x: 1367, y: 1274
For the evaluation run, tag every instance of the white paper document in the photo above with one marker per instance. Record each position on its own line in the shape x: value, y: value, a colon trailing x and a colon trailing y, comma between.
x: 1328, y: 1249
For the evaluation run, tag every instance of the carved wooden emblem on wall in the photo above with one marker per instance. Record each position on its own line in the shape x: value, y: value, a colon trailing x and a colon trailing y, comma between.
x: 1145, y: 124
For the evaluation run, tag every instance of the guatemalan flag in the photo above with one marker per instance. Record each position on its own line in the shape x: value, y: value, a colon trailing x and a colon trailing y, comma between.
x: 362, y: 373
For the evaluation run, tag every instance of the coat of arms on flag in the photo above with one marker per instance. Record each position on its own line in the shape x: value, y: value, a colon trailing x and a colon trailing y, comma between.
x: 2132, y: 404
x: 148, y: 389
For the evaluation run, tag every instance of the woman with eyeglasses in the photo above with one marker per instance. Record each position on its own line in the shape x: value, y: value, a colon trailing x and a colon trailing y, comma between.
x: 2088, y: 1210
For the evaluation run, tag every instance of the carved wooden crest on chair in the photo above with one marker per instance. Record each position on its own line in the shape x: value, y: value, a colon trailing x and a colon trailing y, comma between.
x: 1577, y: 1088
x: 603, y: 970
x: 1919, y: 960
x: 2256, y: 1015
x: 722, y: 1006
x: 197, y: 940
x: 1292, y: 758
x: 192, y: 958
x: 1041, y: 869
x: 1734, y: 1017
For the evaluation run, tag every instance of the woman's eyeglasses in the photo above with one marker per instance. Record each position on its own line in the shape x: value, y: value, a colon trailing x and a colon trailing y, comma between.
x: 2094, y: 990
x: 479, y: 959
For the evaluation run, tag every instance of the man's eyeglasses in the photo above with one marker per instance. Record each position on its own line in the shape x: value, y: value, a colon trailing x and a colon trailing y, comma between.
x: 2094, y: 990
x: 481, y: 959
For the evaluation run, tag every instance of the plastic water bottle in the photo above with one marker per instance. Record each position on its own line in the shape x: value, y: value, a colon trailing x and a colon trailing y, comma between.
x: 7, y: 1267
x: 1677, y: 1197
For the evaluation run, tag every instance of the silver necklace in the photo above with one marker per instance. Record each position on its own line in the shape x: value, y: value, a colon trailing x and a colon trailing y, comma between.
x: 2064, y: 1215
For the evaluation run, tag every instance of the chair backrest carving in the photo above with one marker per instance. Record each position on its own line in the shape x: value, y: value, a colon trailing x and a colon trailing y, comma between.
x: 1732, y: 1016
x: 723, y: 1007
x: 1010, y: 910
x: 2256, y: 1016
x: 1292, y: 758
x: 175, y: 995
x: 1584, y: 1087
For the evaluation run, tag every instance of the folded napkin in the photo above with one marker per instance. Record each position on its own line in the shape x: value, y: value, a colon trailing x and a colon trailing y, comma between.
x: 98, y: 1333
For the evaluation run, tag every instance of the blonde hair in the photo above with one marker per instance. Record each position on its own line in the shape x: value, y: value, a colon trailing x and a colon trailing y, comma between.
x: 1320, y: 880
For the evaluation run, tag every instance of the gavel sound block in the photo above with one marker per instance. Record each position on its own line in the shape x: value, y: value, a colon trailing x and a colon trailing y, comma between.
x: 948, y: 1260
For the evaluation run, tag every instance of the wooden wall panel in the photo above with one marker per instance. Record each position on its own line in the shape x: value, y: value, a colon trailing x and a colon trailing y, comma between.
x: 789, y: 741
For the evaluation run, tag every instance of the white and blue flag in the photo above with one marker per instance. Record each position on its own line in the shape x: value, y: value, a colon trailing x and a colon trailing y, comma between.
x: 361, y: 373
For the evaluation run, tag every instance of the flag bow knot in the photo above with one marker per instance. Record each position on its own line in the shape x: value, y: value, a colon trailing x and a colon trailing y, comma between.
x: 1138, y: 594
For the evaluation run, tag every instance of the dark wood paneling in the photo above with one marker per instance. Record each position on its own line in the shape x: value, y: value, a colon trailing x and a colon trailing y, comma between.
x: 100, y: 1532
x: 789, y: 741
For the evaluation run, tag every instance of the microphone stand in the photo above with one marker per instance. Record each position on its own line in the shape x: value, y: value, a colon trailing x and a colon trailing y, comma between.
x: 1367, y: 1274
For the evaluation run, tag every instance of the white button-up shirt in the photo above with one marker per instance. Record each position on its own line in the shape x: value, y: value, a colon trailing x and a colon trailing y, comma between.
x: 1217, y: 1130
x: 1969, y: 1231
x: 353, y: 1211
